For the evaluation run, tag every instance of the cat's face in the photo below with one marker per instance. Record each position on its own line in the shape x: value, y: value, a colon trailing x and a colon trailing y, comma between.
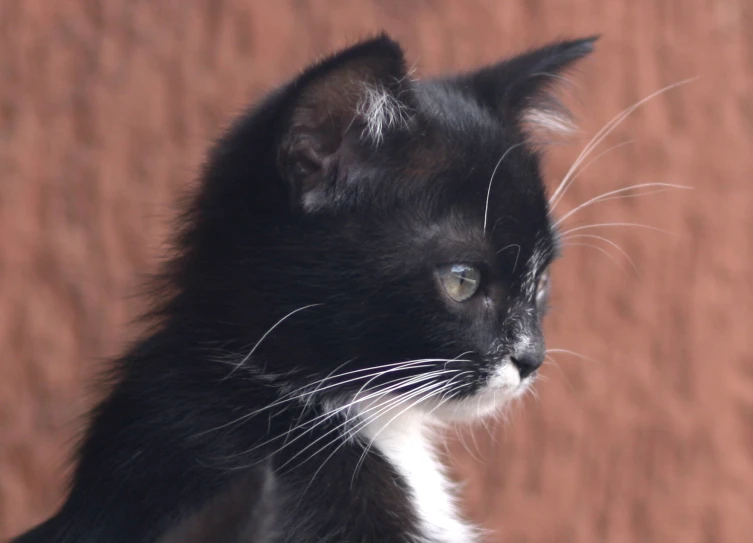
x: 395, y: 234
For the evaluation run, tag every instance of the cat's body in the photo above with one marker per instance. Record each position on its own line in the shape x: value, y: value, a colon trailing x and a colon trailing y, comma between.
x: 367, y: 258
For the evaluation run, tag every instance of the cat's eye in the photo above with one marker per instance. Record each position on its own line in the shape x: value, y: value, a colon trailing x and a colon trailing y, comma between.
x: 542, y: 289
x: 459, y: 281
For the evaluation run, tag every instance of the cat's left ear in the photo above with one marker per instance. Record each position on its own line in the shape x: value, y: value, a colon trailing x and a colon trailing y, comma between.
x: 520, y: 90
x: 354, y: 99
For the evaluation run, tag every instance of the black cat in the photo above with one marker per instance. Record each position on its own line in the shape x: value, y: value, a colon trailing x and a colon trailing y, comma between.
x: 366, y: 258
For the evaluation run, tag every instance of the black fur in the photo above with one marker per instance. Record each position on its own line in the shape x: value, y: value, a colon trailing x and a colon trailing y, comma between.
x: 300, y: 208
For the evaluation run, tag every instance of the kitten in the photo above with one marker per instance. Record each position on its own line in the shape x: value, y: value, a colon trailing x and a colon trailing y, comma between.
x: 367, y: 257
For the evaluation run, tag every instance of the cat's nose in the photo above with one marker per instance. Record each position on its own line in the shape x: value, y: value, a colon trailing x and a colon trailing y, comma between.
x: 528, y: 357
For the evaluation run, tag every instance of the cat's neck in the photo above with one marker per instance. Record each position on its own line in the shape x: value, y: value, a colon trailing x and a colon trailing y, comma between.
x: 405, y: 439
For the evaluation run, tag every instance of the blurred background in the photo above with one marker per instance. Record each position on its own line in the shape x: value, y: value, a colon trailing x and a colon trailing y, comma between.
x: 106, y: 110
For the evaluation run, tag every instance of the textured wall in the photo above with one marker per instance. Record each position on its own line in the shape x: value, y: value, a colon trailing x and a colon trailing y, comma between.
x: 106, y: 109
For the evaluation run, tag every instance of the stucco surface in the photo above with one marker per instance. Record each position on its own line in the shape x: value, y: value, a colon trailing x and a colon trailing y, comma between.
x: 106, y: 109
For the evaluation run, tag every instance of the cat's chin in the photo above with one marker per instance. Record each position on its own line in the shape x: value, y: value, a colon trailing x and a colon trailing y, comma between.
x: 503, y: 387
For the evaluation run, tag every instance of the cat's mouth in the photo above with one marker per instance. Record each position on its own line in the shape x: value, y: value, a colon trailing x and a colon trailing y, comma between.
x: 506, y: 383
x: 464, y: 395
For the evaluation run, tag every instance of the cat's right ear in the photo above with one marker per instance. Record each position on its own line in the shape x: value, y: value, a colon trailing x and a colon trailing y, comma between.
x: 351, y: 99
x: 521, y: 90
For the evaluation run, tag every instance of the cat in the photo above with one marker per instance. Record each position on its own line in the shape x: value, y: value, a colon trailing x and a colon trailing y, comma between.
x: 366, y: 259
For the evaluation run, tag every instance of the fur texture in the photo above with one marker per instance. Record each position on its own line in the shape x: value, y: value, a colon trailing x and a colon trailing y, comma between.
x: 313, y: 325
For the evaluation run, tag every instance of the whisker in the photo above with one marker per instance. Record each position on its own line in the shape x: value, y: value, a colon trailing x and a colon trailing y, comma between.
x: 403, y: 364
x: 380, y: 407
x: 603, y: 133
x: 447, y: 396
x: 639, y: 194
x: 607, y: 224
x: 517, y: 256
x: 343, y: 440
x: 361, y: 424
x: 291, y: 396
x: 372, y: 376
x: 580, y: 171
x: 606, y: 240
x: 459, y: 433
x: 330, y: 414
x: 473, y: 433
x: 601, y: 250
x: 573, y: 353
x: 275, y: 325
x: 554, y: 363
x: 431, y: 393
x: 491, y: 180
x: 604, y: 197
x: 329, y: 376
x: 380, y: 392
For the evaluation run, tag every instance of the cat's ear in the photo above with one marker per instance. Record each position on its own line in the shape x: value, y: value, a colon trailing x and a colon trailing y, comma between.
x: 521, y: 90
x: 353, y: 98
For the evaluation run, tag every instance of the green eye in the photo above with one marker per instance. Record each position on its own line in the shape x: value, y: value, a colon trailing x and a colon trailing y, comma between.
x: 459, y: 281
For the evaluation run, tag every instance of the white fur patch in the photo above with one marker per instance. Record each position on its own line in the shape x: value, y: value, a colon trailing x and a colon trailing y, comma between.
x: 405, y: 440
x: 381, y: 111
x: 504, y: 385
x: 552, y: 120
x: 405, y: 437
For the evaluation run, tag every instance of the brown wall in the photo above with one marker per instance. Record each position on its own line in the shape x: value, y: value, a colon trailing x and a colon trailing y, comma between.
x: 106, y: 109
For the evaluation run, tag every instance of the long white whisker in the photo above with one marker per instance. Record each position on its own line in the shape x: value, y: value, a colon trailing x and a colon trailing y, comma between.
x: 401, y: 365
x: 429, y: 394
x: 330, y: 414
x: 580, y: 171
x: 573, y: 353
x: 491, y: 180
x: 292, y: 396
x: 380, y: 407
x: 256, y: 346
x: 517, y: 256
x: 473, y: 433
x: 372, y: 376
x: 604, y: 197
x: 622, y: 251
x: 323, y: 418
x: 606, y: 224
x: 446, y: 397
x: 554, y: 363
x: 637, y: 195
x: 402, y: 382
x: 446, y: 361
x: 390, y: 365
x: 601, y: 250
x: 344, y: 441
x: 603, y: 133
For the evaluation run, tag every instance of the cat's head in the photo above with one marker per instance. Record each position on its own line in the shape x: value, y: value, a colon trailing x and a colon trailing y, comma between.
x: 361, y: 230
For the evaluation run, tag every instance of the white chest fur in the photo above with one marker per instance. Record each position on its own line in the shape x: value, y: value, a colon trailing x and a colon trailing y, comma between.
x: 406, y: 442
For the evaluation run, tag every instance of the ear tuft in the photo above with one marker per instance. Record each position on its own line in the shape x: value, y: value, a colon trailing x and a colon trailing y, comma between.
x: 380, y: 110
x: 552, y: 118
